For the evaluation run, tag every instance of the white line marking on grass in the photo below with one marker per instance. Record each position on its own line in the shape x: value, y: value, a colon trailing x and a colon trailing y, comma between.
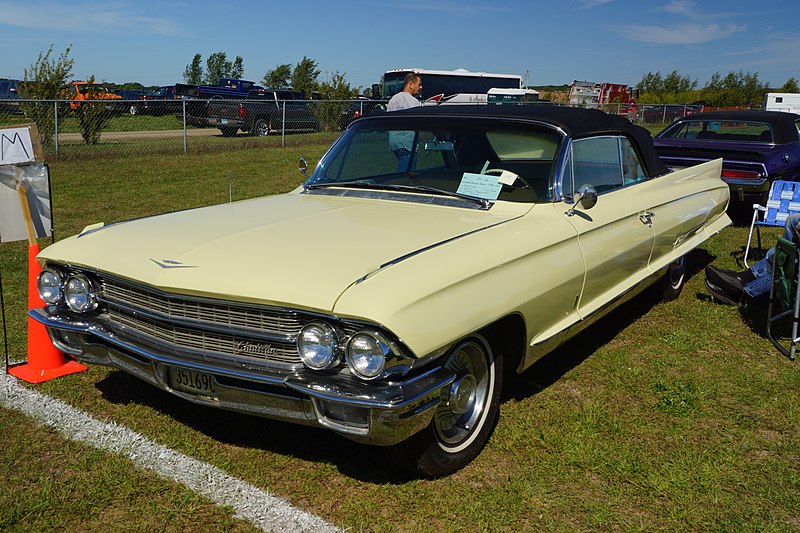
x: 250, y: 503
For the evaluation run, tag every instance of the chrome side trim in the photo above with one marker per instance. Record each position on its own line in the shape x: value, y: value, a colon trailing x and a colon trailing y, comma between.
x: 434, y: 245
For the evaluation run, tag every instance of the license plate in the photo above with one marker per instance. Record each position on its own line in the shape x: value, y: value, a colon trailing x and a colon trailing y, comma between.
x: 223, y: 121
x: 192, y: 382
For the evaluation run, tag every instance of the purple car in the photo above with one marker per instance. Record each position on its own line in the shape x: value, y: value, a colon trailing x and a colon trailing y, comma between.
x: 757, y: 147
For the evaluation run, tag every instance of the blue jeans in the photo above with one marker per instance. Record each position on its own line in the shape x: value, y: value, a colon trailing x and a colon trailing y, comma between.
x: 763, y: 269
x: 403, y: 156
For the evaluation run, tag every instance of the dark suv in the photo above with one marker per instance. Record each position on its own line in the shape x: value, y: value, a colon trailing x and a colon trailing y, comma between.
x: 8, y: 93
x: 160, y: 102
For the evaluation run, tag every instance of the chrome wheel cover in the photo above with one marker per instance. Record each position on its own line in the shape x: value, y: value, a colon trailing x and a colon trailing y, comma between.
x: 462, y: 412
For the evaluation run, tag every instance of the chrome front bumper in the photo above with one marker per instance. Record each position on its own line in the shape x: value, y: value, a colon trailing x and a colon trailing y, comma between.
x: 372, y: 413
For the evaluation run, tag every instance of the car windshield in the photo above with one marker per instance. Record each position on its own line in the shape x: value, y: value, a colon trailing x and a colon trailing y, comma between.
x: 720, y: 130
x: 478, y: 158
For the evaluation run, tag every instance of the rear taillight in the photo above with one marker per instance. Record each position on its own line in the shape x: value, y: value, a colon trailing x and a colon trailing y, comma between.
x: 242, y: 111
x: 740, y: 174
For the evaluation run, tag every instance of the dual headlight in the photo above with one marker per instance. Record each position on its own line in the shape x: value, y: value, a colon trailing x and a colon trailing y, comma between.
x: 75, y: 290
x: 367, y: 352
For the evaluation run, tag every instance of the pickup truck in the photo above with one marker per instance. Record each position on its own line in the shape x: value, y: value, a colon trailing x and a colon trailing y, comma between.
x: 198, y: 96
x: 79, y: 90
x: 262, y: 113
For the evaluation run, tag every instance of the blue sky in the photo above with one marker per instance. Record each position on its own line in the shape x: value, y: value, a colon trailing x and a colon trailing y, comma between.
x: 553, y: 42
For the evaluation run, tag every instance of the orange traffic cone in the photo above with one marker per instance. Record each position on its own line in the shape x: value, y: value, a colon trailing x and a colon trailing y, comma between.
x: 44, y: 360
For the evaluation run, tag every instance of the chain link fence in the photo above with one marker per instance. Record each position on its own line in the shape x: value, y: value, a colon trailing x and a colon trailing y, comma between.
x: 72, y: 129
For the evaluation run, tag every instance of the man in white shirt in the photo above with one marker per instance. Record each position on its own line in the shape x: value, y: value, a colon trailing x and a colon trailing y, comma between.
x: 412, y: 85
x: 400, y: 142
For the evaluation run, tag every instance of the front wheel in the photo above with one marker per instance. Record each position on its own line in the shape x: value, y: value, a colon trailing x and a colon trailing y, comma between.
x: 672, y: 284
x: 133, y: 110
x: 464, y: 419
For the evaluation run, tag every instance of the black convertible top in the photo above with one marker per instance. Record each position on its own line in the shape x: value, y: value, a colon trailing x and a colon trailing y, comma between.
x: 784, y: 125
x: 576, y: 122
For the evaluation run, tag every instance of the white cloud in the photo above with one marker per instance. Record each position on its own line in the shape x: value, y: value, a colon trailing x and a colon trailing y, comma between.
x: 589, y: 4
x: 454, y: 8
x: 84, y: 17
x: 680, y: 7
x: 678, y: 34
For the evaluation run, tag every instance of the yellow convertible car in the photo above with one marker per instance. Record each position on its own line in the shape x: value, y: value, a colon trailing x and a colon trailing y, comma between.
x: 431, y: 251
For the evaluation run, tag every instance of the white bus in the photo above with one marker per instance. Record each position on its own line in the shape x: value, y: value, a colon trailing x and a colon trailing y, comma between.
x: 459, y: 86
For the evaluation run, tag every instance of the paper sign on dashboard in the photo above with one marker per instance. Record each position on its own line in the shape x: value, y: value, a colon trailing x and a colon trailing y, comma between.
x: 480, y: 186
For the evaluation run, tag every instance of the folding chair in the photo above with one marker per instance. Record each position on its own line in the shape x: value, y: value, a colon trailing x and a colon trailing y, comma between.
x: 784, y: 293
x: 784, y: 199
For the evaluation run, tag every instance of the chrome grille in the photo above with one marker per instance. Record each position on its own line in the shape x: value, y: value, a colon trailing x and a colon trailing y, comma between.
x: 177, y: 340
x: 220, y: 313
x: 199, y: 328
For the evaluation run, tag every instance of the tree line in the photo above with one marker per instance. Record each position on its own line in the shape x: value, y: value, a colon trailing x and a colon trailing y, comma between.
x: 304, y: 76
x: 736, y: 89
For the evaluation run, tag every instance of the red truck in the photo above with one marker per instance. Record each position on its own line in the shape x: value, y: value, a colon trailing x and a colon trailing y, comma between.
x: 615, y: 98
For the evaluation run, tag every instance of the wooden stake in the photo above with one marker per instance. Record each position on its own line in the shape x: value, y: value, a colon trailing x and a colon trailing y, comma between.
x: 22, y: 191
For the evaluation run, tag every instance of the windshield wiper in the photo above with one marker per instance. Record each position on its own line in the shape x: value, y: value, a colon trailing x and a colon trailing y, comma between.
x: 482, y: 202
x: 354, y: 184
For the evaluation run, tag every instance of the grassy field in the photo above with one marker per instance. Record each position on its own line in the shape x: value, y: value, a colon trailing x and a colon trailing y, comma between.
x: 675, y: 416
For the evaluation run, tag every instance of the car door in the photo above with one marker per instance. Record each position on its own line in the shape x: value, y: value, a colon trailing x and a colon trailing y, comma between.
x: 615, y: 236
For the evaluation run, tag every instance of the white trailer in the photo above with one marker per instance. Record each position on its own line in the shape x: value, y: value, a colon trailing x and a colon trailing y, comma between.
x: 787, y: 102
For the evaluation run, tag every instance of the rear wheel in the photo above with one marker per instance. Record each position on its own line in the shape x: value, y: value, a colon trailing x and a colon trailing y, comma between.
x: 465, y: 418
x: 672, y: 284
x: 133, y: 110
x: 262, y: 128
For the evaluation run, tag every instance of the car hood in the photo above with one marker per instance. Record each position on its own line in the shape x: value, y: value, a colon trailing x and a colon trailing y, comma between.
x: 295, y: 249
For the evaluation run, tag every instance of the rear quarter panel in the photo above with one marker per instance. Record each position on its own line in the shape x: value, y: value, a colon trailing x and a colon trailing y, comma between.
x: 690, y: 206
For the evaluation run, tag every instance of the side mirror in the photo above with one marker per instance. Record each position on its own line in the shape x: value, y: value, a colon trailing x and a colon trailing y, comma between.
x: 586, y: 196
x: 304, y: 167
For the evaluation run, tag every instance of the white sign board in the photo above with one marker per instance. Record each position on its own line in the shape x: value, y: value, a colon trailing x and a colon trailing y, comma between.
x: 16, y: 146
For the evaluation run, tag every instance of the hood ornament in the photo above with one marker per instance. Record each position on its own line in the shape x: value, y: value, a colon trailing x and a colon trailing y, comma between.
x: 169, y: 263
